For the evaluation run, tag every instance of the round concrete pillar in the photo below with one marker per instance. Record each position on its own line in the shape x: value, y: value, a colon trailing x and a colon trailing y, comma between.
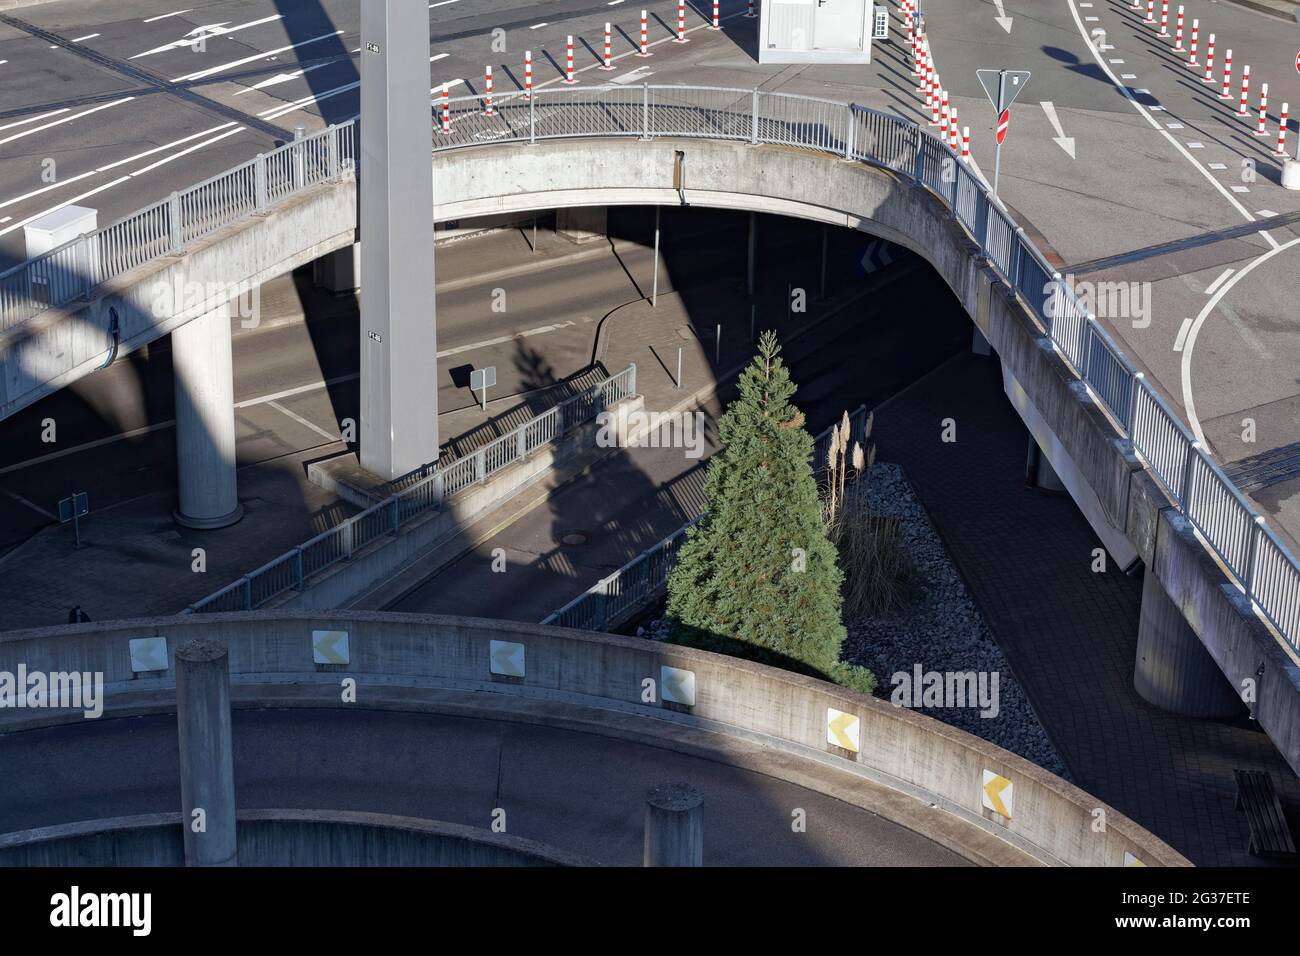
x: 207, y: 755
x: 674, y: 826
x: 205, y: 422
x: 1173, y: 670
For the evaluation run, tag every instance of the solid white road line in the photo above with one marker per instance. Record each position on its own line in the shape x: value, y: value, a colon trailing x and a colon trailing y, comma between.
x: 1182, y: 335
x: 88, y: 36
x: 186, y: 152
x: 302, y: 421
x: 37, y: 192
x: 66, y: 119
x: 250, y: 59
x: 34, y: 119
x: 501, y: 340
x: 62, y: 205
x: 282, y: 78
x: 164, y: 16
x: 279, y: 111
x: 1219, y: 281
x: 1190, y: 343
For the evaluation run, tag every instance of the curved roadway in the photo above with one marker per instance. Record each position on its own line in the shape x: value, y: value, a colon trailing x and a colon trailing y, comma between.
x: 573, y: 790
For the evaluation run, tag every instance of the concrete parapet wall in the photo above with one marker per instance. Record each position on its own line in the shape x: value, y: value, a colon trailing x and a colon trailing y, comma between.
x: 596, y: 681
x: 58, y: 347
x: 282, y: 838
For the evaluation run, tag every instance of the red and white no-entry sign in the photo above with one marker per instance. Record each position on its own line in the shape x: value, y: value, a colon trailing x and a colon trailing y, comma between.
x: 1297, y: 62
x: 1003, y: 122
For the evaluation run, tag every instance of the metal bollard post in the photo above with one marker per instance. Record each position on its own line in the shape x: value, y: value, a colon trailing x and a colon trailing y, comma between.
x: 674, y: 826
x: 206, y: 754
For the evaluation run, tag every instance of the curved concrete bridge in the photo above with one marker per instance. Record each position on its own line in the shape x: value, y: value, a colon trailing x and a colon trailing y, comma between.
x: 455, y: 718
x: 1197, y: 625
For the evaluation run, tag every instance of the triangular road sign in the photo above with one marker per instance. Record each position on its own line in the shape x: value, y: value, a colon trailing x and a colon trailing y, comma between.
x: 1002, y: 94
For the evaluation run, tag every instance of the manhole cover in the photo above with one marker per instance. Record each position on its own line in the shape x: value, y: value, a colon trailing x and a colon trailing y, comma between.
x: 572, y: 537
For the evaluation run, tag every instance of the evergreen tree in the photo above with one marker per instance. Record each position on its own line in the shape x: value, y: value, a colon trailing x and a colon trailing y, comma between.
x: 758, y: 577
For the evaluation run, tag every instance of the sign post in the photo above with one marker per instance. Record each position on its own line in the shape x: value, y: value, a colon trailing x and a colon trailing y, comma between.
x: 482, y: 378
x: 73, y: 509
x: 1002, y: 88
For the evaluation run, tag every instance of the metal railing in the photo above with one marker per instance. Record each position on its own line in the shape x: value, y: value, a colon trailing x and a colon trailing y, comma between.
x: 293, y: 570
x: 1266, y: 571
x: 75, y: 269
x: 639, y: 581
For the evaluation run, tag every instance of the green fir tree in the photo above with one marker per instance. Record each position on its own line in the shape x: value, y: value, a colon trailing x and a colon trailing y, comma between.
x: 758, y: 577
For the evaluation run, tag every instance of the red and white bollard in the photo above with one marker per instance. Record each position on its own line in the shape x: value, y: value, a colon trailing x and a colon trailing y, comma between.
x: 1209, y: 62
x: 965, y: 145
x: 446, y: 110
x: 1227, y: 76
x: 1281, y: 134
x: 943, y: 115
x: 923, y: 66
x: 1262, y: 129
x: 609, y: 51
x: 644, y: 37
x: 1196, y: 27
x: 750, y: 14
x: 1244, y: 109
x: 1178, y: 33
x: 1151, y: 11
x: 929, y: 89
x: 487, y: 92
x: 952, y: 129
x: 715, y: 25
x: 528, y: 74
x: 934, y: 107
x: 568, y: 62
x: 916, y: 55
x: 681, y: 22
x: 1164, y: 18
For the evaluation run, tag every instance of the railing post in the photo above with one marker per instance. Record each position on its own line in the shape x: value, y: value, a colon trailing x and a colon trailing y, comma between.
x: 1087, y: 350
x: 532, y: 119
x: 333, y: 148
x: 631, y: 379
x: 1188, y: 471
x: 297, y: 569
x: 480, y: 464
x: 1017, y: 257
x: 83, y: 263
x: 1252, y: 555
x: 176, y: 233
x: 918, y: 165
x: 645, y: 110
x: 1135, y: 385
x: 850, y: 137
x: 259, y: 182
x: 246, y: 590
x: 521, y: 442
x: 753, y: 125
x: 396, y: 519
x: 559, y: 417
x: 982, y: 221
x: 348, y: 527
x: 439, y: 487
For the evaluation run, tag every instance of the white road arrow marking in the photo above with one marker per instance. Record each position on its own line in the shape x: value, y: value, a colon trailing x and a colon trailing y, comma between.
x: 1065, y: 142
x: 1004, y: 21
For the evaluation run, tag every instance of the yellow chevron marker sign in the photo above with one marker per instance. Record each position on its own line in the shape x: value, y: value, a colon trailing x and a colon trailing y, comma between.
x: 997, y: 793
x: 330, y: 647
x: 148, y: 654
x: 506, y: 658
x: 1131, y: 860
x: 677, y: 686
x: 843, y: 730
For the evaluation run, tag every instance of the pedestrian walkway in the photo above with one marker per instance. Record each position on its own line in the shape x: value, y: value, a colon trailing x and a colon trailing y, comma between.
x: 1069, y: 634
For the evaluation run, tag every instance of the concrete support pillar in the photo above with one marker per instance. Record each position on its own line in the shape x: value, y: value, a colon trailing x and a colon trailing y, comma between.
x: 1039, y: 472
x: 674, y: 826
x: 207, y: 755
x: 978, y: 343
x: 205, y: 422
x: 582, y: 223
x: 751, y: 262
x: 1173, y: 670
x: 399, y: 343
x: 339, y: 272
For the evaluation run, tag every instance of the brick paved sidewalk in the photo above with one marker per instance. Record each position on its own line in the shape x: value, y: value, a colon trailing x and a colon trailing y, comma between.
x: 1069, y: 634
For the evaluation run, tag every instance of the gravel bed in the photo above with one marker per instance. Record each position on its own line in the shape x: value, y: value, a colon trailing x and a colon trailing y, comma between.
x: 942, y: 631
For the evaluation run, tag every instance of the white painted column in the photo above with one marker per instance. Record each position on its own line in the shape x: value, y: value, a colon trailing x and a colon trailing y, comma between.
x: 205, y: 422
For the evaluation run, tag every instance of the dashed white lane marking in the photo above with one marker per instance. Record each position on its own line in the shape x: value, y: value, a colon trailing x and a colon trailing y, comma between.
x: 1195, y: 144
x: 185, y: 152
x: 1241, y: 189
x: 45, y: 189
x: 1173, y: 126
x: 5, y: 220
x: 538, y: 26
x: 1266, y: 213
x: 278, y: 111
x: 302, y: 421
x: 164, y: 16
x: 64, y: 204
x: 66, y: 119
x: 250, y: 59
x: 503, y: 339
x: 1145, y: 112
x: 1182, y: 335
x: 1116, y: 62
x: 1219, y: 281
x: 438, y: 56
x: 88, y: 36
x: 442, y: 3
x: 1217, y: 166
x: 35, y: 119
